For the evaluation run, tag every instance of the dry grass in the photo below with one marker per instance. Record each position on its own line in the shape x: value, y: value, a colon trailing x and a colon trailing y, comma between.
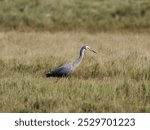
x: 117, y: 79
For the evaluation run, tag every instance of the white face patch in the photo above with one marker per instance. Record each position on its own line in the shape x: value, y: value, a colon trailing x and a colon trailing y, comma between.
x: 87, y: 48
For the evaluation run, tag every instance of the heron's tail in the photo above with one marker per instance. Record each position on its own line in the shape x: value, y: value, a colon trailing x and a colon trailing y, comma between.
x: 49, y: 74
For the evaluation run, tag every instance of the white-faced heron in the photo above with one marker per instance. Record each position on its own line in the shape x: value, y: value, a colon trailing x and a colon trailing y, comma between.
x: 66, y: 69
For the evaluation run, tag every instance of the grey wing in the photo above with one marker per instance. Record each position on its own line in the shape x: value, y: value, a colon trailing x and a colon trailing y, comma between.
x: 64, y: 70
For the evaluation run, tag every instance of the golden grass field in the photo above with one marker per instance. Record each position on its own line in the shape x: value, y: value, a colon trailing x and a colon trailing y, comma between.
x: 116, y: 79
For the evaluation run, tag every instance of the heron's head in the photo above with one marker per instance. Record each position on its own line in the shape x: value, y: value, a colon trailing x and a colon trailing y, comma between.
x: 89, y: 49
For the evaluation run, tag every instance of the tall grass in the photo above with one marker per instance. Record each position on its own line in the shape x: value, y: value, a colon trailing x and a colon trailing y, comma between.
x: 117, y: 79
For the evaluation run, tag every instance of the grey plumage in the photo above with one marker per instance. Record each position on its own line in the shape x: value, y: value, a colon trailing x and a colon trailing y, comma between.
x: 66, y: 69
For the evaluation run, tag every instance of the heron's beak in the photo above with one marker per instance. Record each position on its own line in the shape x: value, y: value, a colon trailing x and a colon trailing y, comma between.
x: 92, y: 50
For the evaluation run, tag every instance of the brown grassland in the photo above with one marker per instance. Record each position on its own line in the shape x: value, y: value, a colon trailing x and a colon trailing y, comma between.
x: 116, y: 79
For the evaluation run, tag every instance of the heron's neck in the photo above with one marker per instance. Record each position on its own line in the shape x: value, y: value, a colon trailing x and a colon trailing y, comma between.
x: 78, y: 61
x: 82, y: 50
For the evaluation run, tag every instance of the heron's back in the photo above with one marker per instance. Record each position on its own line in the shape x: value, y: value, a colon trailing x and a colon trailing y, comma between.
x: 64, y: 70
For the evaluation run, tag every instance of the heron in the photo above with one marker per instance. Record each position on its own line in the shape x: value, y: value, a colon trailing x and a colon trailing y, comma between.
x: 67, y: 69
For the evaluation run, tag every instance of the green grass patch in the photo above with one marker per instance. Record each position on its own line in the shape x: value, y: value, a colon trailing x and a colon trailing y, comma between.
x: 89, y: 15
